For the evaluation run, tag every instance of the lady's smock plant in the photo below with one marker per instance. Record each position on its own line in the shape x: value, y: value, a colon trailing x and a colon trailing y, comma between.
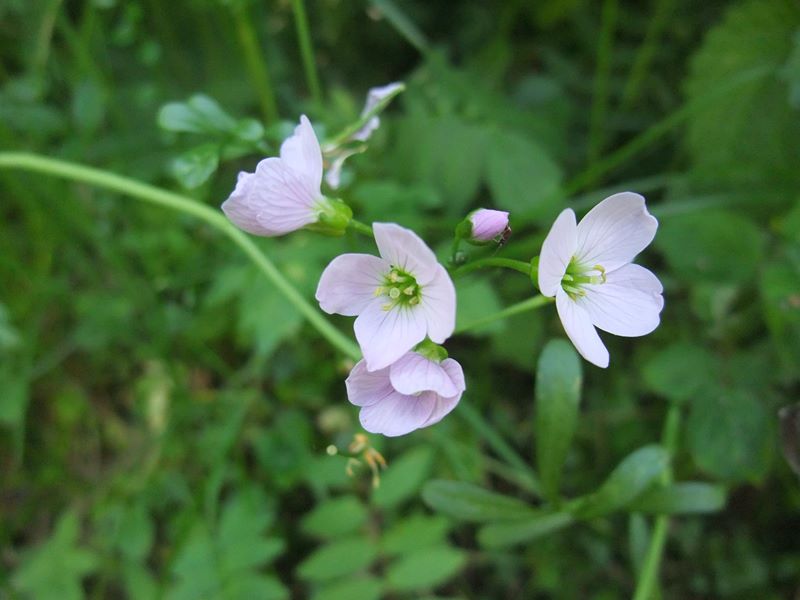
x: 284, y: 194
x: 400, y: 297
x: 587, y: 267
x: 414, y: 392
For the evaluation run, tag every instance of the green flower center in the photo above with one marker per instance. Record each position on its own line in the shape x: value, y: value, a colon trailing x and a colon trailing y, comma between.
x: 578, y: 275
x: 401, y: 288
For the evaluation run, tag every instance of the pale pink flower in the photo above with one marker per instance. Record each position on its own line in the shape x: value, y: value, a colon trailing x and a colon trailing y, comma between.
x: 374, y: 97
x: 413, y: 392
x: 489, y: 225
x: 400, y: 297
x: 284, y: 193
x: 587, y: 267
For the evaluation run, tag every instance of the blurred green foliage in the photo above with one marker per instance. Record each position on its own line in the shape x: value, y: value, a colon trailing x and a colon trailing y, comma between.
x: 165, y: 414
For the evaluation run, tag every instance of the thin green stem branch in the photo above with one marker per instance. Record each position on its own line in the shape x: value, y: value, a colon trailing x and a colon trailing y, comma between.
x: 492, y: 261
x: 256, y: 65
x: 648, y: 575
x: 646, y: 52
x: 514, y: 309
x: 403, y: 24
x: 361, y: 227
x: 159, y: 197
x: 307, y: 50
x: 647, y: 138
x: 474, y: 419
x: 599, y: 108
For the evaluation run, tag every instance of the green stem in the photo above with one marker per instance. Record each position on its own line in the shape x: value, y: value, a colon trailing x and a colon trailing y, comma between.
x: 514, y: 309
x: 345, y: 134
x: 652, y: 561
x: 159, y: 197
x: 403, y: 24
x: 475, y: 420
x: 508, y: 263
x: 655, y: 132
x: 256, y: 65
x: 361, y: 227
x: 307, y: 50
x: 597, y: 114
x: 646, y: 52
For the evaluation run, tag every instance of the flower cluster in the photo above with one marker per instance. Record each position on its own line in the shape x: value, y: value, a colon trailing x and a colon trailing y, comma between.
x: 404, y: 301
x: 400, y: 298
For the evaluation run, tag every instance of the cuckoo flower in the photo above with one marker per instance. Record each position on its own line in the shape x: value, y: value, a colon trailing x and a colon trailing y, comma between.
x: 413, y: 392
x: 399, y: 297
x: 284, y: 192
x: 587, y: 267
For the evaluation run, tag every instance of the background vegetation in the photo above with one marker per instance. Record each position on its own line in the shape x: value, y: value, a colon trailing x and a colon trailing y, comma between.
x: 165, y: 413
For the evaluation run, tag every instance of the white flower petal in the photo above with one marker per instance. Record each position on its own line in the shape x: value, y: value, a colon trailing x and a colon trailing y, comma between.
x: 413, y: 373
x: 615, y: 231
x: 240, y: 208
x: 385, y: 335
x: 404, y: 249
x: 349, y: 282
x: 374, y: 96
x: 365, y: 388
x: 580, y: 330
x: 439, y: 305
x: 302, y: 154
x: 398, y: 414
x: 627, y: 304
x: 557, y: 250
x: 280, y: 200
x: 446, y: 404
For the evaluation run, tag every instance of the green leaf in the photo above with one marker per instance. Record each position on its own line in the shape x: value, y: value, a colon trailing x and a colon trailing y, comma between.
x: 790, y: 435
x: 752, y: 134
x: 558, y: 391
x: 404, y: 477
x: 631, y: 477
x: 477, y: 298
x: 522, y: 176
x: 445, y: 152
x: 364, y: 588
x: 687, y: 497
x: 426, y: 569
x: 200, y: 114
x: 728, y: 434
x: 468, y: 502
x: 337, y: 559
x: 193, y: 168
x: 225, y: 562
x: 780, y: 288
x: 335, y: 517
x: 501, y: 535
x: 638, y: 540
x: 679, y: 371
x: 415, y: 532
x: 718, y: 247
x: 55, y: 569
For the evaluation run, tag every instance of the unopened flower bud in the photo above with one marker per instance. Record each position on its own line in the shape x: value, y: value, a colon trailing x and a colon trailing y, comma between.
x: 488, y: 226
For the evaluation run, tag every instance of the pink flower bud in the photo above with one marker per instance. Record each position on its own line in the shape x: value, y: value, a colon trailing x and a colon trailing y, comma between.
x: 489, y: 225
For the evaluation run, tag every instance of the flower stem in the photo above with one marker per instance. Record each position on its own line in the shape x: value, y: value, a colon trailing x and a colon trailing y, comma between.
x: 159, y: 197
x: 508, y: 263
x: 525, y: 473
x: 345, y: 134
x: 652, y: 561
x: 360, y: 227
x: 599, y: 108
x: 514, y: 309
x: 306, y: 50
x: 256, y: 65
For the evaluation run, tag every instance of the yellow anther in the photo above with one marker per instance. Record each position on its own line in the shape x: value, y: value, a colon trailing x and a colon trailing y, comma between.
x: 409, y: 291
x: 414, y: 301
